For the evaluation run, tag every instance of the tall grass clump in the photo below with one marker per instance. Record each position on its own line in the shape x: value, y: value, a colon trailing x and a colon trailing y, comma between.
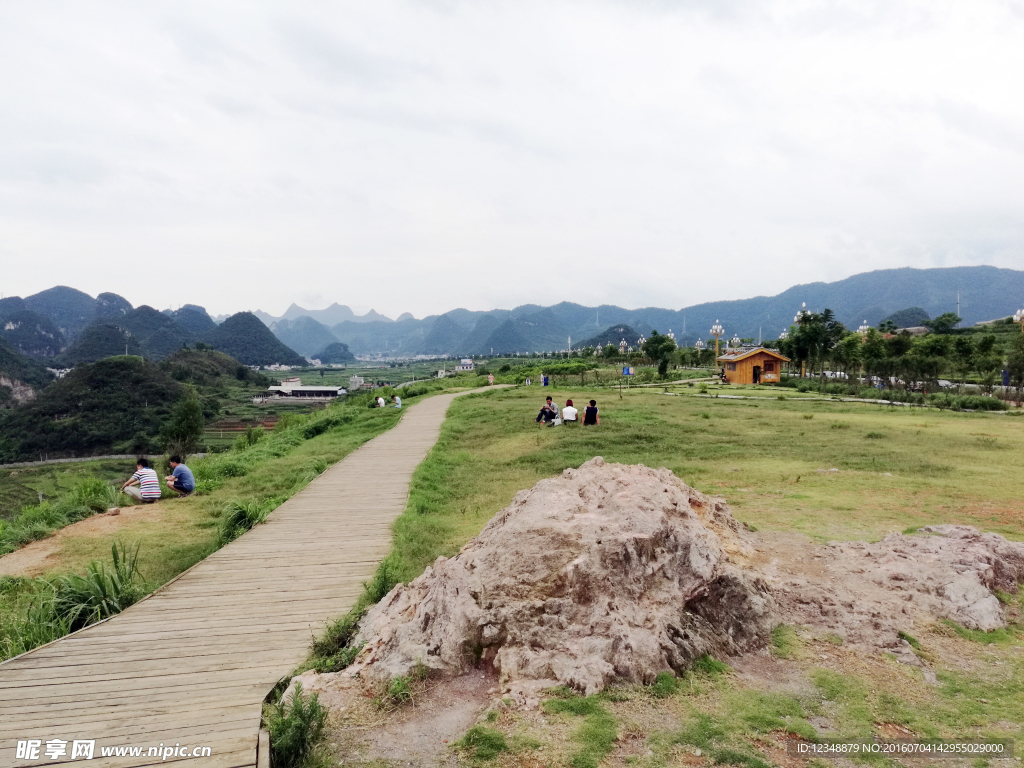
x: 103, y: 591
x: 242, y: 516
x: 296, y: 725
x: 53, y: 608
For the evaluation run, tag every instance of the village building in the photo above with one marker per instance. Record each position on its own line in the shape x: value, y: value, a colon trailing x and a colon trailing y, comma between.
x: 755, y: 365
x: 293, y: 388
x: 465, y: 364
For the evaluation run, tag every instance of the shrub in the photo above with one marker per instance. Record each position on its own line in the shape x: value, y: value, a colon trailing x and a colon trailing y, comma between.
x: 296, y: 726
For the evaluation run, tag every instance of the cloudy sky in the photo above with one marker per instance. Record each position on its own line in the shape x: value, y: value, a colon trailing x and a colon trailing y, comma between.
x: 419, y: 156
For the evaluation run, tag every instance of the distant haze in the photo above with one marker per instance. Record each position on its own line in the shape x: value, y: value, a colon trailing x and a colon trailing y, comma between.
x: 420, y: 156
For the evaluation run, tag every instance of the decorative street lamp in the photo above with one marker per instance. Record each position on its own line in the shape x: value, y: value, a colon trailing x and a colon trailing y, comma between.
x: 735, y: 341
x: 1018, y: 318
x: 622, y: 347
x: 802, y: 314
x: 784, y: 335
x: 863, y: 330
x: 671, y: 335
x: 717, y: 330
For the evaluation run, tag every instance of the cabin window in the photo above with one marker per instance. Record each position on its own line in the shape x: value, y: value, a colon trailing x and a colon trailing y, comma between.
x: 730, y: 366
x: 769, y: 367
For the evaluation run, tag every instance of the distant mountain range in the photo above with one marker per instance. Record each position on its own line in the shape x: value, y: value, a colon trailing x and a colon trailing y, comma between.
x: 984, y: 293
x: 67, y: 326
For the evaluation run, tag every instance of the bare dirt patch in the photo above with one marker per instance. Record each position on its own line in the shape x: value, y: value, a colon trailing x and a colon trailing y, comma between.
x: 41, y: 556
x: 419, y: 733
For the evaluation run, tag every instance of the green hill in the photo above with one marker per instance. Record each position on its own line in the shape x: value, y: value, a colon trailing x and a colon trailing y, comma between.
x: 612, y: 336
x: 335, y: 353
x: 158, y: 334
x: 115, y: 405
x: 303, y: 334
x: 69, y: 309
x: 110, y: 305
x: 911, y: 317
x: 192, y: 318
x: 444, y: 338
x: 32, y: 334
x: 96, y: 342
x: 246, y: 338
x: 208, y: 367
x: 17, y: 373
x: 506, y: 339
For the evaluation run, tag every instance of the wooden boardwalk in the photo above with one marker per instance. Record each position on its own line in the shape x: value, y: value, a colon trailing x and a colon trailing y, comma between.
x: 192, y: 663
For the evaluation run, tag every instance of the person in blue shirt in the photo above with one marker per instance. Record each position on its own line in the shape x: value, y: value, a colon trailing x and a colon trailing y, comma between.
x: 181, y: 478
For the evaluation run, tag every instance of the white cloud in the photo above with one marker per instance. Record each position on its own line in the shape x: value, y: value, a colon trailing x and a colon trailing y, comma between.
x: 420, y: 156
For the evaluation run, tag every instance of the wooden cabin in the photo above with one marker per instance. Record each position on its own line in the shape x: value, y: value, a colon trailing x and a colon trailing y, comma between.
x: 752, y: 366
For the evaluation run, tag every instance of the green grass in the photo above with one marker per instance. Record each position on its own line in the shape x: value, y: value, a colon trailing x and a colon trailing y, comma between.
x: 483, y: 743
x: 595, y: 736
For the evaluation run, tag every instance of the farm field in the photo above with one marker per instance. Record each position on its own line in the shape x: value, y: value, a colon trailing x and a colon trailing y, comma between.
x: 897, y: 469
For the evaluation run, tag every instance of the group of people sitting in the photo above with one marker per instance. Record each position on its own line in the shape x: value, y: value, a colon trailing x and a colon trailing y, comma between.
x: 550, y: 414
x: 396, y: 402
x: 145, y: 487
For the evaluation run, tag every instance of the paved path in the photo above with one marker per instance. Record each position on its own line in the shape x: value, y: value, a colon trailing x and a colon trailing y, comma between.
x: 192, y: 663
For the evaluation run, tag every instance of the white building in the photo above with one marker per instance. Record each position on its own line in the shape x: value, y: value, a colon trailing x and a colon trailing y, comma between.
x: 465, y: 364
x: 355, y: 382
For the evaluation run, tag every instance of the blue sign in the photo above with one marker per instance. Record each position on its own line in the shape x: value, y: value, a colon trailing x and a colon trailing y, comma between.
x: 627, y: 370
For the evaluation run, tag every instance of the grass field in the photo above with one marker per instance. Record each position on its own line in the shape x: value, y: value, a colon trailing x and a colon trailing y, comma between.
x: 898, y: 469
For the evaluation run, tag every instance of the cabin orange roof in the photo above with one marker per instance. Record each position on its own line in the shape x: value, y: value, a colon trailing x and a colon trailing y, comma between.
x: 747, y: 353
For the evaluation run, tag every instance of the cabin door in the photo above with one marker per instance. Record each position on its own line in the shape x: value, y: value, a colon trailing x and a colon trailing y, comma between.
x: 757, y: 374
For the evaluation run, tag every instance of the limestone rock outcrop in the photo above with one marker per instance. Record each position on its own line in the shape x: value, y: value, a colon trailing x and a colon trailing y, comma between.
x: 606, y: 573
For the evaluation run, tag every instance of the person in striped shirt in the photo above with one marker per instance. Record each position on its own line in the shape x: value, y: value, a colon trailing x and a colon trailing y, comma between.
x: 144, y: 485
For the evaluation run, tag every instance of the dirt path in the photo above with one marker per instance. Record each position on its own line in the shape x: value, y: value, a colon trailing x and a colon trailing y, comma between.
x: 40, y: 556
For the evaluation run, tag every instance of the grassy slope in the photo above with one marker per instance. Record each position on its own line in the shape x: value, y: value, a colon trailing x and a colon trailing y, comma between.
x: 188, y: 529
x: 762, y: 456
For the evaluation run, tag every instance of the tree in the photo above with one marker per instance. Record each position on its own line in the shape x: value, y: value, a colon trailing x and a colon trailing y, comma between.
x: 944, y: 323
x: 658, y: 346
x: 183, y: 431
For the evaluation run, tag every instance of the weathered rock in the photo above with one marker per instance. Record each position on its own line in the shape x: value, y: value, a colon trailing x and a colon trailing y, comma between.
x: 606, y: 573
x: 872, y: 591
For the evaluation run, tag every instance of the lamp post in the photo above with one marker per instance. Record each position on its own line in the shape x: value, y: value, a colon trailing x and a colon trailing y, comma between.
x: 717, y: 331
x: 1018, y: 318
x: 863, y: 330
x: 802, y: 315
x: 735, y: 341
x: 699, y: 346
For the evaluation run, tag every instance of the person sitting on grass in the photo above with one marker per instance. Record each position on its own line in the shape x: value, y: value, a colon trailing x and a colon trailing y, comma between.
x: 548, y: 413
x: 396, y: 401
x: 181, y: 480
x: 144, y: 485
x: 569, y: 413
x: 590, y: 415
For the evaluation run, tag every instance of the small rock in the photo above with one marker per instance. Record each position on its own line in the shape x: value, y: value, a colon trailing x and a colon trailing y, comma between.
x: 114, y: 511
